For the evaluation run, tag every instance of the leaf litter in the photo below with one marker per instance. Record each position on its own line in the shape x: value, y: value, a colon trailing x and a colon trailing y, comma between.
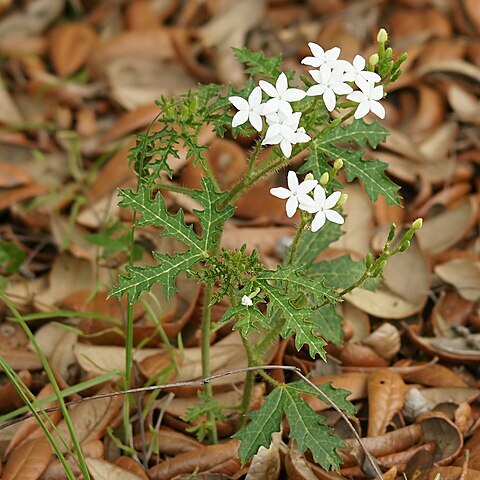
x: 79, y: 78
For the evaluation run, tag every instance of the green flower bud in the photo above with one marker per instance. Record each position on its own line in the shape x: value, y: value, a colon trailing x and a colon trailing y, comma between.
x: 391, y: 233
x: 309, y: 176
x: 373, y: 60
x: 388, y: 52
x: 404, y: 245
x: 379, y: 268
x: 338, y: 164
x: 417, y: 224
x: 342, y: 200
x: 324, y: 179
x: 382, y: 36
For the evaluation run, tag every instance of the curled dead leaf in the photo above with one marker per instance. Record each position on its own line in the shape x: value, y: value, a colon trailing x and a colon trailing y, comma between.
x: 385, y: 340
x: 29, y: 460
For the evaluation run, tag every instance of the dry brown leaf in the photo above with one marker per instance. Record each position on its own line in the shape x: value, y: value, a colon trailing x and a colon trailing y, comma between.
x: 465, y: 105
x: 90, y: 419
x: 21, y: 359
x: 464, y: 275
x: 452, y: 473
x: 128, y: 463
x: 13, y: 176
x: 220, y: 458
x: 385, y: 340
x: 9, y: 398
x: 386, y: 396
x: 170, y: 442
x: 103, y: 470
x: 296, y: 465
x: 28, y: 461
x: 448, y: 438
x: 70, y: 46
x: 265, y: 464
x: 435, y: 376
x: 15, y: 195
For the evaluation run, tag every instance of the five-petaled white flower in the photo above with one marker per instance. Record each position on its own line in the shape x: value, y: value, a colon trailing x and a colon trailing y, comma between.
x: 248, y: 110
x: 331, y: 82
x: 367, y: 98
x: 296, y: 193
x: 247, y: 301
x: 280, y: 95
x: 283, y: 129
x: 356, y: 70
x: 322, y: 207
x: 322, y: 57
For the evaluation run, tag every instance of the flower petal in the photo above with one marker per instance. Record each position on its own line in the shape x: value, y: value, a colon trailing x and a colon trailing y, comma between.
x: 316, y: 75
x: 359, y: 63
x: 256, y: 121
x: 319, y: 196
x: 239, y: 103
x: 302, y: 137
x: 239, y: 118
x: 285, y: 108
x: 377, y: 108
x: 316, y: 90
x: 275, y: 140
x: 370, y: 76
x: 255, y: 97
x: 293, y: 95
x: 286, y: 148
x: 329, y: 99
x: 332, y: 199
x: 292, y: 181
x: 311, y: 61
x: 281, y: 192
x: 362, y: 84
x: 356, y: 96
x: 342, y: 88
x: 362, y: 109
x: 271, y: 106
x: 318, y: 221
x: 317, y: 50
x: 377, y: 93
x: 268, y: 88
x: 306, y: 186
x: 273, y: 131
x: 334, y: 217
x: 282, y: 84
x: 291, y: 207
x: 307, y: 204
x: 332, y: 54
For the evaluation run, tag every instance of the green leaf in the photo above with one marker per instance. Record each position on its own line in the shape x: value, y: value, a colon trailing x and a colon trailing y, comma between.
x: 298, y: 320
x: 328, y: 324
x: 139, y: 279
x: 248, y: 318
x: 264, y: 421
x: 348, y: 143
x: 342, y: 272
x: 313, y: 243
x: 154, y: 212
x: 310, y: 432
x: 11, y: 257
x: 258, y: 64
x: 338, y: 396
x: 295, y: 276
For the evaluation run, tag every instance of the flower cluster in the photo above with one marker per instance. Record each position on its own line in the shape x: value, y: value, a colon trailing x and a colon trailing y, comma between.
x: 298, y: 197
x: 334, y: 77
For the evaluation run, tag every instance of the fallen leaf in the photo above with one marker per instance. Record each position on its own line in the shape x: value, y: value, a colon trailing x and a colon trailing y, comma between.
x: 464, y: 275
x: 103, y: 470
x: 386, y: 396
x: 265, y: 464
x: 28, y: 461
x: 220, y: 458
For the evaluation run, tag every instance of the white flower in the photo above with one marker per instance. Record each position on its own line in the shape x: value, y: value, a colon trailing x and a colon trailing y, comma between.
x: 248, y: 110
x: 296, y: 193
x: 357, y: 70
x: 247, y: 301
x: 331, y: 82
x: 280, y: 95
x: 367, y: 98
x: 320, y: 57
x: 284, y: 130
x: 322, y: 207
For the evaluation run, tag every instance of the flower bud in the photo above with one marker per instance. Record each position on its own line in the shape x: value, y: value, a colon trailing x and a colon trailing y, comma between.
x: 417, y: 224
x: 342, y: 200
x: 324, y: 179
x: 373, y: 60
x: 338, y: 164
x: 404, y: 245
x: 369, y: 260
x: 309, y: 176
x: 382, y: 36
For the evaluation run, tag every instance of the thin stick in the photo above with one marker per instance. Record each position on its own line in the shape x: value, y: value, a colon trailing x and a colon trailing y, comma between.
x: 206, y: 380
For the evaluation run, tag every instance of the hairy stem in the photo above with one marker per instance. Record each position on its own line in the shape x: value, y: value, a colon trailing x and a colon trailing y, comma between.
x: 205, y: 342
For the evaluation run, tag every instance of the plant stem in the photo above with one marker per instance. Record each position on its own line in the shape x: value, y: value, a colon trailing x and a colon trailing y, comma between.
x: 296, y: 241
x: 51, y: 377
x: 172, y: 188
x: 12, y: 376
x: 205, y: 343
